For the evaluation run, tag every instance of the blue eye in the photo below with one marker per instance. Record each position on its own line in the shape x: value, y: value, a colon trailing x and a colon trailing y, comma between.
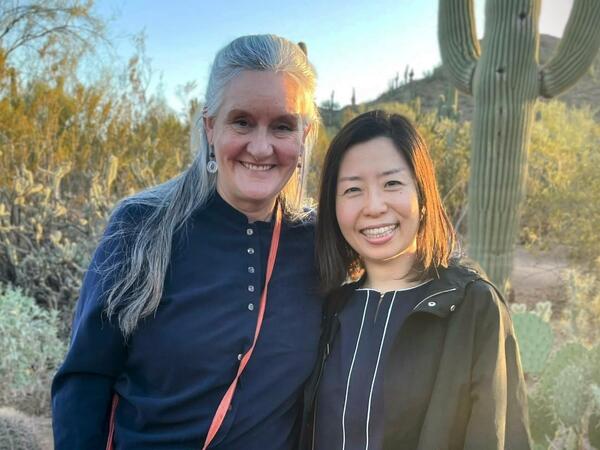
x: 241, y: 122
x: 284, y: 127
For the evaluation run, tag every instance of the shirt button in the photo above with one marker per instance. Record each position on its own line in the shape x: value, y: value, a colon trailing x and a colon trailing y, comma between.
x: 249, y: 231
x: 452, y: 307
x: 240, y: 356
x: 250, y: 269
x: 251, y: 251
x: 251, y: 306
x: 432, y: 304
x: 251, y: 288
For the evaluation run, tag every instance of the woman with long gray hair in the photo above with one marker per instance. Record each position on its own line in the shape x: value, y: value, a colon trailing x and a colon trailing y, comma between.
x: 175, y: 342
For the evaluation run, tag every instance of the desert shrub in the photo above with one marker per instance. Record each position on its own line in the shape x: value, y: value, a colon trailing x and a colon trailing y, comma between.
x: 68, y: 152
x: 562, y: 206
x: 31, y: 350
x: 17, y: 431
x: 582, y: 312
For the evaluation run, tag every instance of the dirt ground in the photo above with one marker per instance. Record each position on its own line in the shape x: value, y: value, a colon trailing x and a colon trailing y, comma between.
x: 536, y: 277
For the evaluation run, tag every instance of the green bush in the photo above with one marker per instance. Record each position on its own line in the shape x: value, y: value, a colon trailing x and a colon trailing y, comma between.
x: 31, y: 350
x: 562, y: 206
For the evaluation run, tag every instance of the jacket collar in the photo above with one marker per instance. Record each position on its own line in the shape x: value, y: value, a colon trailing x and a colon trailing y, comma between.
x: 447, y: 291
x: 443, y: 295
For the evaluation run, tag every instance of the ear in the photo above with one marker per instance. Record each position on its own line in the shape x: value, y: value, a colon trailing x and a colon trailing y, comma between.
x: 209, y: 123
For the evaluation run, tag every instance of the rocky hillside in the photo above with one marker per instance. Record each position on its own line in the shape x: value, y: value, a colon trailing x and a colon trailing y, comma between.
x: 430, y: 88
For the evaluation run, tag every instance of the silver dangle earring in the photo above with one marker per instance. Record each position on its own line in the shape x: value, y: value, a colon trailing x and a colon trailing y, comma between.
x: 212, y: 166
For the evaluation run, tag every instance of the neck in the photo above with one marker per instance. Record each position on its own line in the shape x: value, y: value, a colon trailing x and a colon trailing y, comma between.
x: 254, y: 211
x: 390, y: 275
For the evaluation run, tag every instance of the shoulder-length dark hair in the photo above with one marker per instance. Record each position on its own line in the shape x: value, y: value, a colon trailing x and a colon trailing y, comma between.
x: 338, y: 261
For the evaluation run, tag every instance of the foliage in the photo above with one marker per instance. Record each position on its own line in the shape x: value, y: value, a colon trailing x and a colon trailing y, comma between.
x: 17, y: 431
x: 582, y: 313
x: 562, y: 208
x: 67, y: 153
x: 31, y: 349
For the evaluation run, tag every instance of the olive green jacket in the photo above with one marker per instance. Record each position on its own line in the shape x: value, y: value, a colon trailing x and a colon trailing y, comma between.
x: 456, y: 354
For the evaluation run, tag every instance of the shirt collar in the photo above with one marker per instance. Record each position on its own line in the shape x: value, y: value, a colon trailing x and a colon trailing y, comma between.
x: 217, y: 205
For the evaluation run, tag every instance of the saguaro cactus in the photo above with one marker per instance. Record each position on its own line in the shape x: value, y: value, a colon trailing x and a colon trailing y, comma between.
x: 505, y: 78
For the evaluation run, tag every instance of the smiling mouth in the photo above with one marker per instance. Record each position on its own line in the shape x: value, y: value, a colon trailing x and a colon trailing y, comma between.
x: 257, y: 167
x: 379, y: 232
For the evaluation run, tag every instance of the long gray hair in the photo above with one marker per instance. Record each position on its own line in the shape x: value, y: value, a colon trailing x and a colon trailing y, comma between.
x: 137, y: 276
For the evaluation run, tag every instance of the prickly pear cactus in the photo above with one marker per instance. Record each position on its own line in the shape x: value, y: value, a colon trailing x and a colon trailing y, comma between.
x: 544, y: 310
x: 595, y: 363
x: 594, y: 430
x: 572, y: 354
x: 570, y: 395
x: 535, y: 338
x: 542, y: 422
x: 16, y: 431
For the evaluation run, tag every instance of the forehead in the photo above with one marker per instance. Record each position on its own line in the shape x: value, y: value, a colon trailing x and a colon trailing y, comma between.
x: 374, y: 156
x: 265, y: 91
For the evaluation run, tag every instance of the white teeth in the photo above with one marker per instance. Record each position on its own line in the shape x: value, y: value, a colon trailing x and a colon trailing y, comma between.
x: 261, y: 167
x: 379, y: 231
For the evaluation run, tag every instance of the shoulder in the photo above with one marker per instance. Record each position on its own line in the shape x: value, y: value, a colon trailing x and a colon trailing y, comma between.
x: 478, y: 291
x: 130, y: 212
x: 124, y: 223
x: 336, y: 299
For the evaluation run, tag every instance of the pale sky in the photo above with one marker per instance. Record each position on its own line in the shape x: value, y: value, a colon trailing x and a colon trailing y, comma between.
x: 352, y: 43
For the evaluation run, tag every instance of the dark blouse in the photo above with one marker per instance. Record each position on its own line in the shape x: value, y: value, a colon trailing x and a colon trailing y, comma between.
x: 349, y: 406
x: 174, y: 370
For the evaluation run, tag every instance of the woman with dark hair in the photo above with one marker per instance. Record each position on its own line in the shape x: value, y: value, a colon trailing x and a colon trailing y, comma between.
x: 417, y: 349
x: 176, y: 344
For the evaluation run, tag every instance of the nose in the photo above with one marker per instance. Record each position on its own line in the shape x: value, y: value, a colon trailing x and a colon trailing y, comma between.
x: 259, y: 144
x: 375, y: 203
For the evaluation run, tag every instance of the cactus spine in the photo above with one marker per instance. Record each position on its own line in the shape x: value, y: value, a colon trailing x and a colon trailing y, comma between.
x: 505, y: 79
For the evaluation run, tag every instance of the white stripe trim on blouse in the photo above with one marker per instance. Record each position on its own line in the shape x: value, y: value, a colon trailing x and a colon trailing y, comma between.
x: 350, y: 375
x: 377, y: 367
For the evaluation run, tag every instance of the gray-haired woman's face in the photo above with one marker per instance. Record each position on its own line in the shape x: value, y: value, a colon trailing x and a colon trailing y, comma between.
x: 257, y: 136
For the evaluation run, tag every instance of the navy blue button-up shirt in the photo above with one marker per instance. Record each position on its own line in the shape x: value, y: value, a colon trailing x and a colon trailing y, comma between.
x: 173, y: 371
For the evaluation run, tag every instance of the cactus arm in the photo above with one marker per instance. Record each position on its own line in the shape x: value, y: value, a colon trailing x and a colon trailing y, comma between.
x: 459, y: 46
x: 576, y: 50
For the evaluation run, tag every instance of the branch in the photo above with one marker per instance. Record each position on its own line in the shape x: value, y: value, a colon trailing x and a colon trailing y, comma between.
x: 576, y: 50
x: 458, y: 42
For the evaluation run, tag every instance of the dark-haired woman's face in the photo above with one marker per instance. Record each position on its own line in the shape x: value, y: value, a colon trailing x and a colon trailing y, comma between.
x: 377, y: 205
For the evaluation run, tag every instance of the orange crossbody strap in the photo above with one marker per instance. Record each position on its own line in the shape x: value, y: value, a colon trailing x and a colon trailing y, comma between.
x: 111, y: 423
x: 219, y: 416
x: 226, y: 400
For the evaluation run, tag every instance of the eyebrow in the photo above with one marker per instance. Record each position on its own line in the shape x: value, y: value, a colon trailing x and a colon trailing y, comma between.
x: 381, y: 175
x: 285, y: 116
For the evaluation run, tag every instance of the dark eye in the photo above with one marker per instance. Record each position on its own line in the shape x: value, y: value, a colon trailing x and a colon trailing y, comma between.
x: 393, y: 183
x: 351, y: 190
